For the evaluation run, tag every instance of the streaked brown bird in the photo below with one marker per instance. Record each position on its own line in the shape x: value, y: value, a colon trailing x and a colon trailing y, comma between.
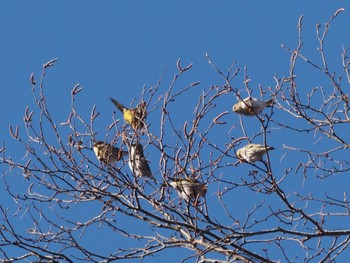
x: 107, y: 153
x: 252, y: 152
x: 138, y: 163
x: 251, y: 106
x: 135, y: 116
x: 189, y: 189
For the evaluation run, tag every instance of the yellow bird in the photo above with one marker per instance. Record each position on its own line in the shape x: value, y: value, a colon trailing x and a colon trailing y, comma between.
x: 135, y: 117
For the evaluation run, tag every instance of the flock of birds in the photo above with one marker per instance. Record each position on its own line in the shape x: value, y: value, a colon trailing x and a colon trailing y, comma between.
x: 189, y: 189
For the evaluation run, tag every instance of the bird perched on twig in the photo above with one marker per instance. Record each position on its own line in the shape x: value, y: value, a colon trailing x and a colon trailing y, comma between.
x: 251, y: 106
x: 135, y: 116
x: 107, y: 153
x: 252, y: 152
x: 138, y: 163
x: 189, y: 189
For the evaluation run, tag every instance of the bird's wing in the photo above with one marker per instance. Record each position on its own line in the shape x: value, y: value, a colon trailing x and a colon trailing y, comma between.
x: 251, y: 146
x: 258, y: 147
x: 144, y: 168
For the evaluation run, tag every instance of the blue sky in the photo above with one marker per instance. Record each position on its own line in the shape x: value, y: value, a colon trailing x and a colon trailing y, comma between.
x: 114, y: 48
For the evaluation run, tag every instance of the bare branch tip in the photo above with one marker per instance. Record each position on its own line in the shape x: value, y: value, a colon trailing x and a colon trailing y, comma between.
x: 28, y: 116
x: 76, y: 89
x: 14, y: 134
x: 182, y: 69
x: 299, y: 21
x: 178, y: 64
x: 32, y: 80
x: 50, y: 63
x: 338, y: 11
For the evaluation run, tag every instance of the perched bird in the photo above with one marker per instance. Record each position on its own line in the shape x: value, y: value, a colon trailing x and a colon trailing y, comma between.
x: 251, y: 106
x: 252, y: 152
x: 135, y: 117
x: 138, y: 163
x: 107, y: 153
x: 189, y: 189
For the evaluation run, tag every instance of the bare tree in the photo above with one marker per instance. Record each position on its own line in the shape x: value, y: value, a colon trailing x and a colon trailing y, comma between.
x: 203, y: 199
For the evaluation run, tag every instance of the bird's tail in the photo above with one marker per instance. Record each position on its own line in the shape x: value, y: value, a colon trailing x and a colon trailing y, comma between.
x: 269, y: 103
x: 121, y: 154
x: 124, y: 153
x: 120, y: 106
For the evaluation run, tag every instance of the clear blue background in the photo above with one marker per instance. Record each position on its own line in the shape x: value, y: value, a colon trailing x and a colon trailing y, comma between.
x: 114, y: 48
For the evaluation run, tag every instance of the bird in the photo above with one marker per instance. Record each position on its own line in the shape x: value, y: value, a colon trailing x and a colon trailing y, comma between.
x: 189, y: 188
x: 135, y: 116
x: 138, y: 163
x: 252, y: 152
x: 107, y: 153
x: 251, y: 106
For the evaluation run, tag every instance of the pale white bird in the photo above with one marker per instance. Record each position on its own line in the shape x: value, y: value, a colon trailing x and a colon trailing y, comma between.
x: 252, y: 152
x: 138, y: 163
x: 251, y: 106
x: 107, y: 153
x: 189, y: 188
